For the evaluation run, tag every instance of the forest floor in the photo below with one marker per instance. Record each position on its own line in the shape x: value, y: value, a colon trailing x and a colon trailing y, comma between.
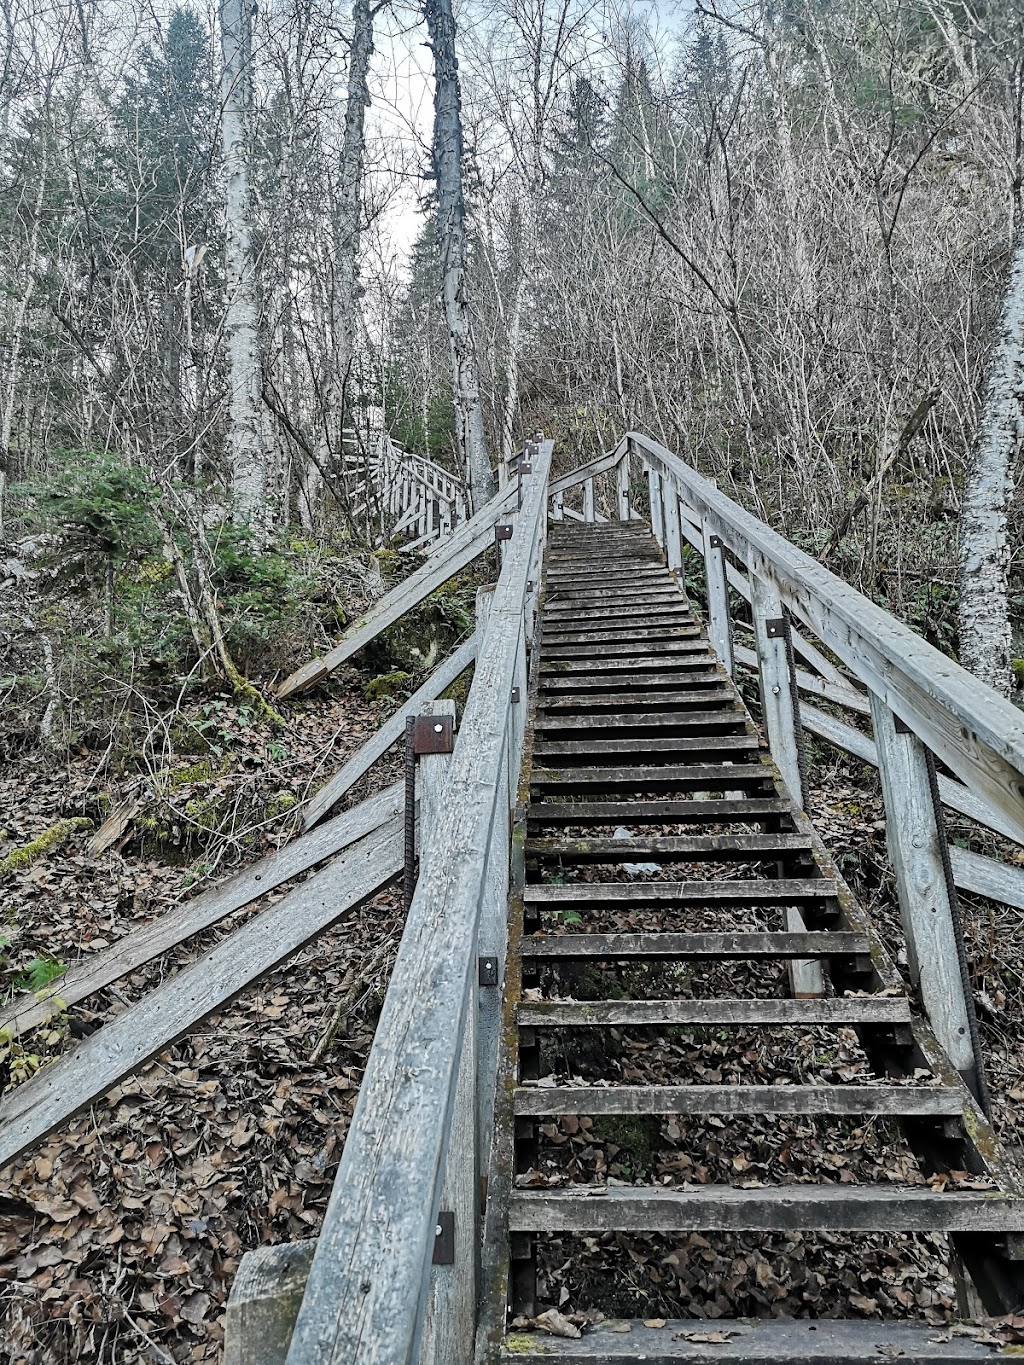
x: 144, y: 1205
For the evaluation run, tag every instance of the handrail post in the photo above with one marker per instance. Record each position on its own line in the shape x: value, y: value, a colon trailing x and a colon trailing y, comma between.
x: 589, y: 506
x: 719, y: 619
x: 778, y: 706
x: 557, y: 507
x: 450, y: 1322
x: 657, y: 515
x: 622, y: 486
x: 673, y: 532
x: 913, y: 834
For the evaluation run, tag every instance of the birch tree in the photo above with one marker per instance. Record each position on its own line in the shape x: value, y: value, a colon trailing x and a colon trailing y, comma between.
x: 247, y: 457
x: 452, y: 245
x: 984, y: 615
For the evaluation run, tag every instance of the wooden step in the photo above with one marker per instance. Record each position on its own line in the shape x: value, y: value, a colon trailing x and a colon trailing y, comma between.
x: 674, y: 848
x: 779, y: 1208
x: 775, y: 1341
x: 739, y: 945
x: 654, y: 614
x: 684, y: 642
x: 557, y: 684
x: 825, y: 1013
x: 684, y: 629
x: 594, y: 750
x: 652, y: 717
x: 691, y: 777
x: 594, y: 599
x: 635, y: 667
x: 640, y: 574
x: 894, y: 1101
x: 762, y: 891
x: 584, y: 703
x: 625, y: 813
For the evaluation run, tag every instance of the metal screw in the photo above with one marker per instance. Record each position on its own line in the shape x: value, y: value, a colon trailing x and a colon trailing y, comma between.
x: 438, y: 729
x: 775, y: 691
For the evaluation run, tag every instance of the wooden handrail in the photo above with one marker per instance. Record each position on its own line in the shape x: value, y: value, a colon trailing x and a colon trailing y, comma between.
x: 366, y: 1293
x: 969, y: 727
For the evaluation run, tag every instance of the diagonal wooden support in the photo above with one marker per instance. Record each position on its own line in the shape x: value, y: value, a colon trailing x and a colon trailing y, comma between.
x: 55, y: 1095
x: 465, y: 545
x: 390, y: 733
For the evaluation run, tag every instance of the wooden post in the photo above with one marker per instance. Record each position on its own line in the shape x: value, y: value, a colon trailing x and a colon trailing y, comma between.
x: 450, y: 1322
x: 589, y: 508
x: 264, y: 1303
x: 912, y: 834
x: 622, y: 487
x: 777, y: 705
x: 719, y: 619
x: 670, y: 518
x: 657, y: 517
x: 557, y: 503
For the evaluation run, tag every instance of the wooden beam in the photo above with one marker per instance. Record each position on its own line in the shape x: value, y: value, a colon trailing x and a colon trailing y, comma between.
x: 56, y: 1094
x: 389, y: 733
x: 182, y: 921
x: 460, y: 549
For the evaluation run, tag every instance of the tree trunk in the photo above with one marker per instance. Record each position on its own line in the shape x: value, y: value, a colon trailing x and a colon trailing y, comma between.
x: 245, y: 440
x: 347, y: 218
x: 984, y: 613
x: 29, y: 268
x: 451, y: 238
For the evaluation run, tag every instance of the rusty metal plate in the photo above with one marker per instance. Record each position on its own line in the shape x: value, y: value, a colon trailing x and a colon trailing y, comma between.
x: 433, y: 735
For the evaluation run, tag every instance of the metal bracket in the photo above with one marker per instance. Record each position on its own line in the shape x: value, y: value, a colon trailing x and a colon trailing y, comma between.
x: 524, y: 467
x: 503, y: 531
x: 433, y: 735
x: 444, y: 1239
x: 776, y: 627
x: 716, y: 542
x: 901, y: 726
x: 515, y: 695
x: 487, y: 971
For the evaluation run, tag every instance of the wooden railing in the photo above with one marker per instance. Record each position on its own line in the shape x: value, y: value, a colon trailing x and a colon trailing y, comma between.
x: 419, y: 499
x: 417, y: 1146
x: 923, y: 707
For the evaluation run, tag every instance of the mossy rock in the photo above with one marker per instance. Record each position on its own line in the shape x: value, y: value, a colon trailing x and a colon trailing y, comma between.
x: 387, y: 686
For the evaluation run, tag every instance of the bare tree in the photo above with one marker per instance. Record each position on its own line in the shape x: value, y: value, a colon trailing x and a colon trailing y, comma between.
x: 984, y: 614
x: 245, y: 438
x: 451, y: 237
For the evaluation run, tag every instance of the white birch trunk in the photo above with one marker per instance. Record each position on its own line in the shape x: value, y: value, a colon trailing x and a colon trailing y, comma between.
x: 18, y: 332
x: 451, y: 236
x: 246, y: 452
x: 984, y: 615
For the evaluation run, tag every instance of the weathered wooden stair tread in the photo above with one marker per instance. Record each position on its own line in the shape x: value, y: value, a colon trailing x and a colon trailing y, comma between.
x: 766, y: 891
x: 774, y: 1208
x: 710, y: 812
x: 897, y: 1100
x: 695, y: 776
x: 619, y: 618
x: 583, y: 704
x: 575, y: 686
x: 597, y: 749
x: 649, y: 719
x: 777, y: 1341
x: 670, y: 847
x: 830, y: 1013
x: 684, y: 642
x: 739, y: 945
x: 636, y: 665
x: 616, y: 635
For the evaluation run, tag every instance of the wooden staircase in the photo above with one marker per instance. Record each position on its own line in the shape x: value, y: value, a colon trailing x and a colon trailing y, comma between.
x: 657, y: 841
